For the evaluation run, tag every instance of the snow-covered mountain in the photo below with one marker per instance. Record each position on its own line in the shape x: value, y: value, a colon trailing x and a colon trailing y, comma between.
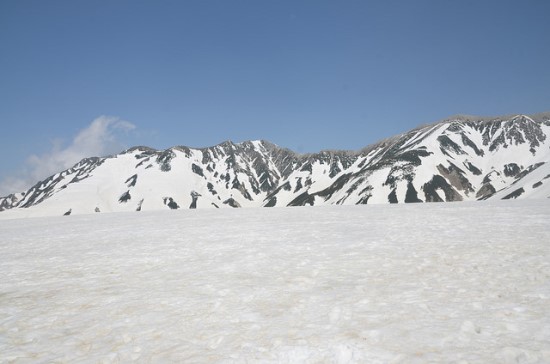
x: 460, y: 158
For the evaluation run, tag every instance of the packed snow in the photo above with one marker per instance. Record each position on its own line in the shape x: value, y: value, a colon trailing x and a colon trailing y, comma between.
x: 456, y: 282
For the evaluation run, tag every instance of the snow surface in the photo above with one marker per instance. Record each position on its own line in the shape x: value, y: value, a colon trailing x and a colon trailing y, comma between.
x: 416, y: 283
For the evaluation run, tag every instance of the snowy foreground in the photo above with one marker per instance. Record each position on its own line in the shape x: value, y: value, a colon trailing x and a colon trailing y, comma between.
x: 455, y: 282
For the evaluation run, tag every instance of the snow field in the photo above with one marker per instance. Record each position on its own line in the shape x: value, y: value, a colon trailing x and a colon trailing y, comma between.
x: 417, y: 283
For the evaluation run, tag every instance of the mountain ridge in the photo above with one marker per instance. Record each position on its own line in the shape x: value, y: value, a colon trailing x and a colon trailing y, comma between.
x: 459, y: 158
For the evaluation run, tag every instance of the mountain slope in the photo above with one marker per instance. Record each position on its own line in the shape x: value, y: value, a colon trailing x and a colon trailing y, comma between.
x: 461, y: 158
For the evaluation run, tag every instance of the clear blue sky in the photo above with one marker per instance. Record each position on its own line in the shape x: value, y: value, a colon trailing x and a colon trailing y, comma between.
x: 307, y: 75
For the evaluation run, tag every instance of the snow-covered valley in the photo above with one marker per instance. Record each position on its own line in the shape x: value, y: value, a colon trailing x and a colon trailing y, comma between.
x: 416, y: 283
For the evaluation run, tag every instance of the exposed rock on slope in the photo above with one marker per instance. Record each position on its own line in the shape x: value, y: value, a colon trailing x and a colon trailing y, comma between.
x: 461, y: 158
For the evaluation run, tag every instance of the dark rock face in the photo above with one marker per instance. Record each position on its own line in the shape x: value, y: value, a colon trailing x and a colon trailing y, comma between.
x: 456, y: 177
x: 514, y: 194
x: 210, y: 187
x: 303, y: 200
x: 468, y: 142
x: 139, y: 205
x: 125, y: 197
x: 131, y: 182
x: 196, y: 169
x: 412, y: 195
x: 511, y: 170
x: 299, y: 185
x: 392, y: 197
x: 271, y: 202
x: 447, y: 145
x: 486, y: 191
x: 194, y: 196
x: 164, y: 159
x: 231, y: 202
x: 472, y: 168
x: 10, y: 201
x: 440, y: 183
x: 169, y: 201
x: 364, y: 200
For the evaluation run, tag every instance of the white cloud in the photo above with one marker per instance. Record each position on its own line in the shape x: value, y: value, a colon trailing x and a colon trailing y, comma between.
x: 100, y: 138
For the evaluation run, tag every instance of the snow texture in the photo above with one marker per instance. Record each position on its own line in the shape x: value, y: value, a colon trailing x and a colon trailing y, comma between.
x: 417, y: 283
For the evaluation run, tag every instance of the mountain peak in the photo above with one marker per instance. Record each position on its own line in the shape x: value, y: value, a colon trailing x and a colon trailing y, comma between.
x: 459, y: 158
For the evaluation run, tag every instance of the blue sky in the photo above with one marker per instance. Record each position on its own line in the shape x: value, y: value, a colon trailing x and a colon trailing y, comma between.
x: 307, y: 75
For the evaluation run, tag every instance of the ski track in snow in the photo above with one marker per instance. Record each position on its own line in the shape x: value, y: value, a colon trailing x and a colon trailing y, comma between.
x: 455, y: 282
